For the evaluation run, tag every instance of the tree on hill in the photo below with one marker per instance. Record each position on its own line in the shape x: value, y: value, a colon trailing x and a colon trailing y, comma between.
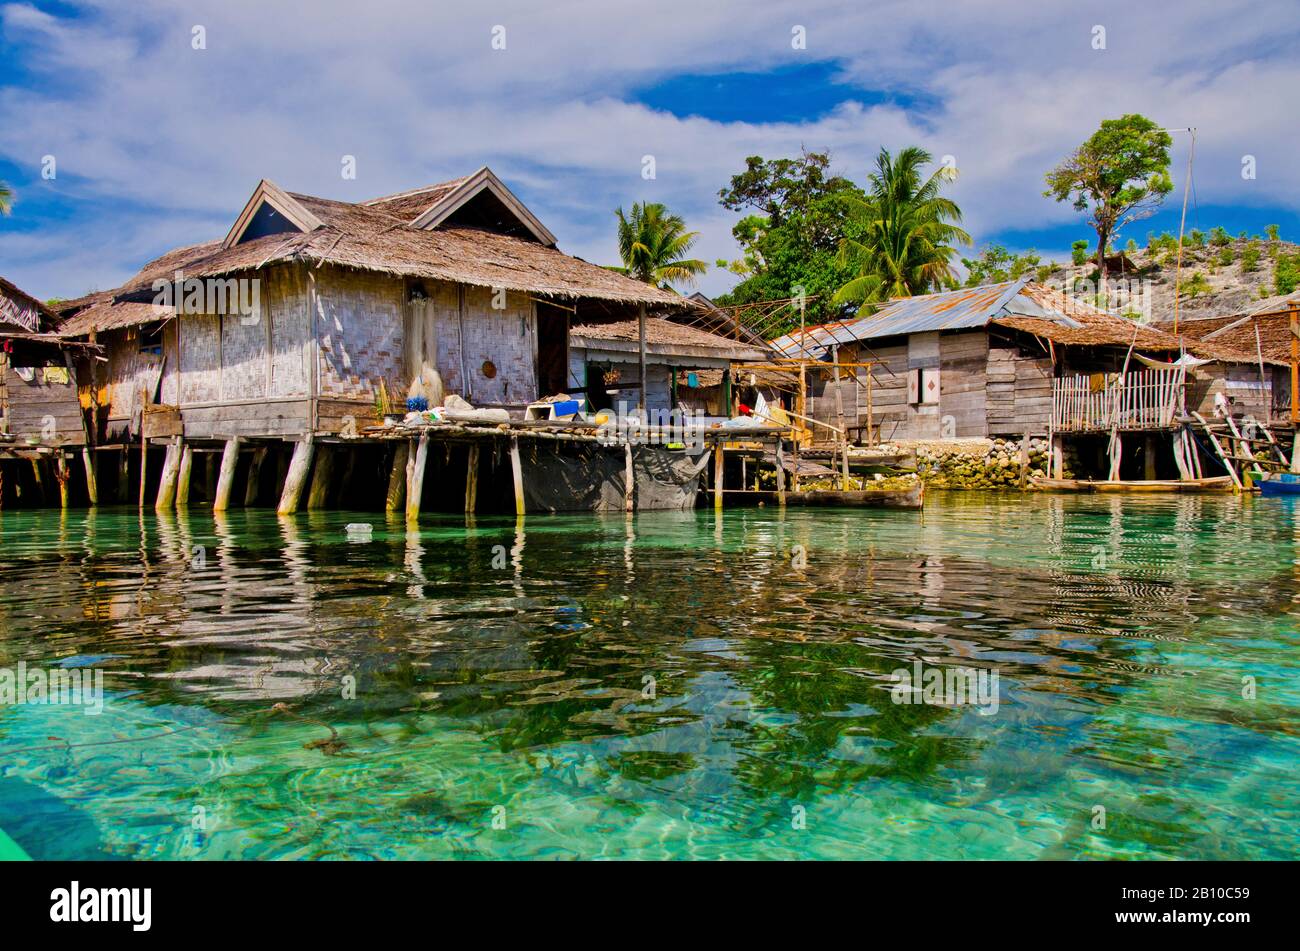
x: 1120, y: 174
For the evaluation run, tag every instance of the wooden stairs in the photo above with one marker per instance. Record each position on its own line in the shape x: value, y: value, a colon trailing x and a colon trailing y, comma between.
x: 1248, y: 449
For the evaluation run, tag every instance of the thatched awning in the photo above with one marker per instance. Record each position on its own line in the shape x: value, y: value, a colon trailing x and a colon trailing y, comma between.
x: 21, y: 313
x: 663, y: 337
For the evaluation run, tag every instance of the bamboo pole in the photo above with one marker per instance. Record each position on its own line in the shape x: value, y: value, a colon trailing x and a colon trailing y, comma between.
x: 471, y: 479
x: 296, y: 478
x: 395, y: 498
x: 62, y: 474
x: 629, y: 479
x: 226, y: 478
x: 416, y: 463
x: 92, y: 484
x: 780, y: 470
x: 166, y: 497
x: 717, y: 476
x: 144, y: 447
x: 516, y: 468
x: 322, y: 476
x: 254, y: 484
x: 183, y: 477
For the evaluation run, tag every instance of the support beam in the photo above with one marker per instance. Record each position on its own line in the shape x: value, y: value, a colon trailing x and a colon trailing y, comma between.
x: 780, y: 470
x: 471, y: 479
x: 641, y: 350
x: 516, y: 469
x: 1058, y: 458
x: 62, y: 474
x: 322, y: 477
x: 92, y: 484
x: 629, y: 478
x: 296, y: 478
x: 396, y: 496
x: 166, y: 498
x: 254, y: 484
x: 1024, y: 460
x: 717, y: 476
x: 183, y: 478
x: 226, y: 478
x: 39, y: 477
x: 415, y: 477
x: 124, y: 475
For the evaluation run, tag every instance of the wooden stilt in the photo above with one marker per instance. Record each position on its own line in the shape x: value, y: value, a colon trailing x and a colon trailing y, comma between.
x: 322, y: 475
x: 396, y: 496
x: 1116, y: 455
x: 717, y: 475
x: 471, y: 479
x: 92, y: 484
x: 124, y: 476
x: 62, y: 474
x: 1058, y: 458
x: 629, y: 479
x: 39, y: 478
x: 2, y: 485
x: 415, y: 480
x: 226, y: 480
x: 1149, y: 457
x: 780, y: 470
x: 296, y: 478
x: 254, y: 485
x: 144, y: 452
x: 183, y: 477
x: 516, y: 469
x: 166, y: 498
x: 1024, y: 460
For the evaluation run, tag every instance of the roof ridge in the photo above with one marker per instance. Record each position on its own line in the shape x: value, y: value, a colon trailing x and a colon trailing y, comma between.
x: 409, y: 193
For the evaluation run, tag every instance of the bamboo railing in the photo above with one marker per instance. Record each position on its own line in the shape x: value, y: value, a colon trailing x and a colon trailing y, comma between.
x: 1141, y: 399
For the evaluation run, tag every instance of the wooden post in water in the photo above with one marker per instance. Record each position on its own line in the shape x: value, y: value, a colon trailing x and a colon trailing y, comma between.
x: 92, y: 484
x: 183, y: 477
x: 1024, y: 460
x: 254, y: 484
x: 396, y: 495
x: 780, y: 470
x: 62, y: 474
x: 629, y: 479
x: 471, y: 479
x: 717, y: 475
x: 166, y: 498
x: 516, y: 469
x: 415, y: 477
x: 39, y: 478
x: 124, y: 475
x: 296, y: 478
x: 318, y: 495
x: 226, y: 478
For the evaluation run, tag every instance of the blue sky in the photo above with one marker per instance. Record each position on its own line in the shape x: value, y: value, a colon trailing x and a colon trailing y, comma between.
x: 157, y: 144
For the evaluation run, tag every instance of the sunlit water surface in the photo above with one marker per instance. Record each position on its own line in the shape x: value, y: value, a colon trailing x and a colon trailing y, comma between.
x: 669, y: 686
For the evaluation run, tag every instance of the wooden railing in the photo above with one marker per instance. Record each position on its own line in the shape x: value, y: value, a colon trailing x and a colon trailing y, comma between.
x: 1141, y: 399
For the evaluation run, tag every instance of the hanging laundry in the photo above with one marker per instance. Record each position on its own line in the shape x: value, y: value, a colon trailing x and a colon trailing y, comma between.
x: 57, y: 375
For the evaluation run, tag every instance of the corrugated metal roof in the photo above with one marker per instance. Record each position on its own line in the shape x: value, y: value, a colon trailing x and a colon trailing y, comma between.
x: 949, y: 310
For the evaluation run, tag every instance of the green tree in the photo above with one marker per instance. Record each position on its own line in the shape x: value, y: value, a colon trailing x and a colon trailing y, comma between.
x: 1120, y: 174
x: 996, y: 264
x: 1079, y: 252
x: 1273, y: 232
x: 1286, y: 273
x: 907, y: 231
x: 654, y: 243
x: 790, y: 239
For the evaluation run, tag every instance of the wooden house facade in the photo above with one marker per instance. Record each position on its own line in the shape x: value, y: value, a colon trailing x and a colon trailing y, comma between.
x: 312, y: 319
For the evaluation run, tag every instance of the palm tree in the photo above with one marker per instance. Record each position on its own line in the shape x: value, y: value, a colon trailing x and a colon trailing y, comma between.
x: 653, y: 245
x: 903, y: 233
x: 6, y: 198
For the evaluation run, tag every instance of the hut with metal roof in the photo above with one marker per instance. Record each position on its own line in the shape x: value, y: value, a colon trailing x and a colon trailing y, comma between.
x: 1019, y: 358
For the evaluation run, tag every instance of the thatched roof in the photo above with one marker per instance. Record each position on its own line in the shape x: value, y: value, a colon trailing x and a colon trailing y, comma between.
x: 663, y: 337
x: 1271, y: 318
x: 21, y: 313
x: 379, y: 237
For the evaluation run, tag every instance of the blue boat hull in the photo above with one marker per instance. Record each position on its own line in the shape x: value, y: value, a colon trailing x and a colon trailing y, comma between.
x: 1286, y: 483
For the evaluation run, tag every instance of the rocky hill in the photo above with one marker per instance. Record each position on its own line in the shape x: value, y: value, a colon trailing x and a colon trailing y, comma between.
x: 1220, y: 275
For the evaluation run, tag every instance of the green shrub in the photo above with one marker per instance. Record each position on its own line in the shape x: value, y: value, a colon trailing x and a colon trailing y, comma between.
x: 1079, y: 252
x: 1226, y: 257
x: 1286, y: 273
x: 1194, y: 286
x: 1273, y: 232
x: 1219, y: 236
x: 1250, y: 258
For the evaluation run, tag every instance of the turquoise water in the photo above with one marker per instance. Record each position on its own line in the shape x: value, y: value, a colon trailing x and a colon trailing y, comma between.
x: 664, y: 687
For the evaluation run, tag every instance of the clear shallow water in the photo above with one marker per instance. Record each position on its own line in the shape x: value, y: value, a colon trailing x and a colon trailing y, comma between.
x: 510, y: 683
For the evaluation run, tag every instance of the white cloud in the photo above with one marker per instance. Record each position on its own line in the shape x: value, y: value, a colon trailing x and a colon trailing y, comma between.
x: 154, y: 138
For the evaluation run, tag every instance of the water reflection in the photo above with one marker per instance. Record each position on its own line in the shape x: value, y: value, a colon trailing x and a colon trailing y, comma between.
x: 671, y: 680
